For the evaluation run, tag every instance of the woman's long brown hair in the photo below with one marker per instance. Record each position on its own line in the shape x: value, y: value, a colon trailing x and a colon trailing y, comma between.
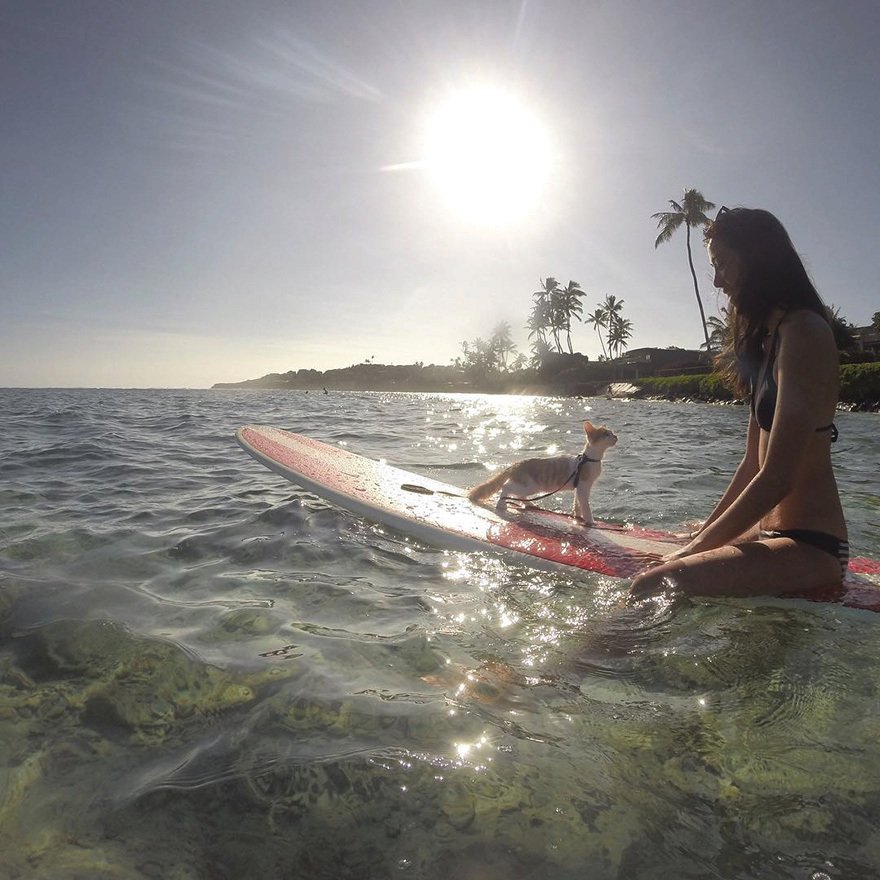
x: 774, y: 278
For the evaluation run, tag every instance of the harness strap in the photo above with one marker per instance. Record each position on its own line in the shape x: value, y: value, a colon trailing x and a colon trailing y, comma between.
x: 575, y: 477
x: 582, y: 459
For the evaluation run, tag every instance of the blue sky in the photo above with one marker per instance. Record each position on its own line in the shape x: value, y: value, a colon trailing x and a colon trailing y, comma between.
x: 195, y: 192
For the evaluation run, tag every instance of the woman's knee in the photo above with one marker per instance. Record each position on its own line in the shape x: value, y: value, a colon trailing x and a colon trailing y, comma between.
x: 713, y: 572
x: 654, y: 580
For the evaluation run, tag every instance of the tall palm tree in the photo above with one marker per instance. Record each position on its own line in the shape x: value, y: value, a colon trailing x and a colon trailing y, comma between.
x: 599, y: 320
x: 571, y: 307
x: 542, y: 318
x: 556, y: 301
x: 613, y: 307
x: 691, y: 212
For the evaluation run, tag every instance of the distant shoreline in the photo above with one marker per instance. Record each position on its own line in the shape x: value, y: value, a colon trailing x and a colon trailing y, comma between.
x: 860, y: 383
x: 430, y: 379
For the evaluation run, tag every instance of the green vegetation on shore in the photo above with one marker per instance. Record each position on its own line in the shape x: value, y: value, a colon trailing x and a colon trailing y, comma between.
x: 859, y: 387
x: 708, y: 386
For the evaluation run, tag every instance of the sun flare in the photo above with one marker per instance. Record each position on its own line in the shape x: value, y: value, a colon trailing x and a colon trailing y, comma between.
x: 488, y: 155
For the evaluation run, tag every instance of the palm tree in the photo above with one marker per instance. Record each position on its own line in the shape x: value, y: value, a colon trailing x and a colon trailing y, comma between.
x: 618, y: 335
x: 520, y: 362
x: 571, y: 307
x: 540, y: 350
x: 692, y: 212
x: 479, y: 359
x: 613, y: 307
x: 541, y: 319
x: 841, y: 328
x: 502, y: 344
x: 556, y: 312
x: 720, y: 331
x: 538, y: 324
x: 599, y: 320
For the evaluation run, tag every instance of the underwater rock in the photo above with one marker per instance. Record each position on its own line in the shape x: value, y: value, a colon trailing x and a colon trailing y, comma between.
x: 457, y: 806
x: 55, y: 856
x: 145, y: 686
x: 10, y: 594
x: 245, y: 622
x: 418, y: 654
x: 87, y: 648
x: 15, y: 784
x: 164, y: 688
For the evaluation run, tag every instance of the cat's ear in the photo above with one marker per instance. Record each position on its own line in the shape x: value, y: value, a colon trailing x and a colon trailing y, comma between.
x: 589, y: 428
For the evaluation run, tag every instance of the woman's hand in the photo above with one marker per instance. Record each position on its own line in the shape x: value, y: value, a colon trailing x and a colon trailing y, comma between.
x: 687, y: 550
x: 690, y: 529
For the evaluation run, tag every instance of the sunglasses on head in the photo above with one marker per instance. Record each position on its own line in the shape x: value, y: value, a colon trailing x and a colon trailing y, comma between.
x: 722, y: 210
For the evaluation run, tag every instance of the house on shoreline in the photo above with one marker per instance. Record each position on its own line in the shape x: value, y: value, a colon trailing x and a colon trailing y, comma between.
x: 643, y: 362
x: 867, y: 339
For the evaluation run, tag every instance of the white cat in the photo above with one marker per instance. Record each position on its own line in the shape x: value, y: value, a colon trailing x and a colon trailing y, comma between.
x: 548, y: 475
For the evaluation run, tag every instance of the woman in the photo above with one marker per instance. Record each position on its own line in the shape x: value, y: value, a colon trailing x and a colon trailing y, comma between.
x: 779, y: 525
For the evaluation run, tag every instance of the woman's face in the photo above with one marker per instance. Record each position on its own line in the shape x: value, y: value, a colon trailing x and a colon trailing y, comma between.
x: 728, y: 267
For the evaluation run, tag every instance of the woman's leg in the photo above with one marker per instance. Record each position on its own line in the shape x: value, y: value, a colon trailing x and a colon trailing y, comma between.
x: 753, y: 568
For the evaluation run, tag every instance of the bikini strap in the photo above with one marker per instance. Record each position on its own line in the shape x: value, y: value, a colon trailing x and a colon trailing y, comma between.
x: 772, y: 353
x: 834, y: 432
x: 760, y: 374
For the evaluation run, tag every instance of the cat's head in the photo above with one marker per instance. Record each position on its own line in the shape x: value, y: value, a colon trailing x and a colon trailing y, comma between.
x: 601, y: 436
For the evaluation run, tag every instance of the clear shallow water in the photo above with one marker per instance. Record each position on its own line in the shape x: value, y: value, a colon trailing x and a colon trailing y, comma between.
x: 206, y: 672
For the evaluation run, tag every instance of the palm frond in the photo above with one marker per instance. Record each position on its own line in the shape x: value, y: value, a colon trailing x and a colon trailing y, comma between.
x: 695, y: 207
x: 667, y: 223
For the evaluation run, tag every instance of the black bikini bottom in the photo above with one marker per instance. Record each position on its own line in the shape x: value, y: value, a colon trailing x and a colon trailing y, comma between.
x: 820, y: 540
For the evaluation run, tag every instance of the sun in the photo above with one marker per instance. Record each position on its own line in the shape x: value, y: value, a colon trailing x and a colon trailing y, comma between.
x: 488, y: 155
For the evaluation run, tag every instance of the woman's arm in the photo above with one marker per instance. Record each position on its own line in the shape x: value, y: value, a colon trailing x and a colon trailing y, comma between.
x: 744, y: 474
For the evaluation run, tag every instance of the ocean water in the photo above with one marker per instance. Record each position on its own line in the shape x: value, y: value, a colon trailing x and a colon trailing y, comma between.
x: 206, y: 672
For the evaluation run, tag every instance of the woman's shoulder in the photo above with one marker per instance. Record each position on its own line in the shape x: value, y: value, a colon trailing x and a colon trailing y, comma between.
x: 806, y: 322
x: 807, y: 331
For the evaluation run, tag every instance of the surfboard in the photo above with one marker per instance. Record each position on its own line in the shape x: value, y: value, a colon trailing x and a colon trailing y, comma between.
x: 441, y: 514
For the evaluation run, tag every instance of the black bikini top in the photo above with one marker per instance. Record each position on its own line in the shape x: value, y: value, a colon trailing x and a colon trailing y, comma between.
x: 764, y: 391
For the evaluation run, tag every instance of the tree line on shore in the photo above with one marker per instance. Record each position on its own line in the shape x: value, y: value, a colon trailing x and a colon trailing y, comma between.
x: 554, y: 309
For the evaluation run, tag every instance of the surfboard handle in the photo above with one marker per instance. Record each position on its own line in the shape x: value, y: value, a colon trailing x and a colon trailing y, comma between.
x: 424, y: 490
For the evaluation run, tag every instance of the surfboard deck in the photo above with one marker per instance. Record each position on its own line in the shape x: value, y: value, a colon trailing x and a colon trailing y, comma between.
x: 441, y: 514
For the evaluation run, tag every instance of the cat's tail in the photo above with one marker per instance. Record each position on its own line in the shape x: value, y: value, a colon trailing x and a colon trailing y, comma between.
x: 490, y: 486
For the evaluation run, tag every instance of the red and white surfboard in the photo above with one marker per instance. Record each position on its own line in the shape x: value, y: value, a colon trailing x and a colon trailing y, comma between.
x: 441, y: 514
